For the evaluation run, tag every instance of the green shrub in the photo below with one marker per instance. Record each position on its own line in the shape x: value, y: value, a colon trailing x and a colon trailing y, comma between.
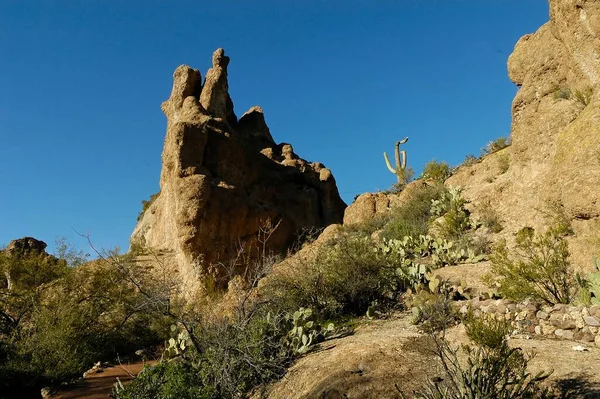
x: 496, y: 145
x: 166, y: 380
x: 412, y: 218
x: 558, y: 218
x: 409, y: 174
x: 62, y: 320
x: 146, y: 204
x: 347, y: 275
x: 369, y: 226
x: 539, y: 268
x: 433, y: 312
x: 438, y: 171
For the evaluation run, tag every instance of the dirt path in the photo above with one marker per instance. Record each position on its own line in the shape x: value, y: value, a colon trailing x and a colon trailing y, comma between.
x: 100, y: 384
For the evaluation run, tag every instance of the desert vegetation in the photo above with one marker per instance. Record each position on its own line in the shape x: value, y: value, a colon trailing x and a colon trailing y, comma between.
x: 495, y: 145
x: 118, y: 304
x: 438, y: 171
x: 57, y: 320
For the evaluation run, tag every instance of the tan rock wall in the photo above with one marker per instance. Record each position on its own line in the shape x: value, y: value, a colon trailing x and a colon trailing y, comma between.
x: 555, y: 152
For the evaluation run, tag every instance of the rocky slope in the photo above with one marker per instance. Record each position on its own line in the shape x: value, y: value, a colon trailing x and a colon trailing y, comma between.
x: 554, y: 159
x: 224, y: 180
x: 385, y: 356
x: 551, y: 171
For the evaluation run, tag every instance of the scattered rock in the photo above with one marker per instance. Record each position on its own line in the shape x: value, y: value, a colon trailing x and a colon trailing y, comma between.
x: 542, y: 315
x: 568, y: 334
x: 591, y: 321
x: 580, y: 348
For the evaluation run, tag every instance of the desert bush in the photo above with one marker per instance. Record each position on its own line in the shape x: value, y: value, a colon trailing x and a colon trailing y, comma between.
x: 169, y: 380
x: 490, y: 217
x: 487, y: 330
x: 224, y: 358
x: 438, y: 171
x: 538, y: 269
x: 146, y: 204
x: 556, y: 215
x: 61, y: 320
x: 499, y: 373
x: 470, y: 160
x: 503, y: 163
x: 584, y: 96
x: 561, y: 93
x: 409, y: 174
x: 495, y: 145
x: 65, y: 251
x: 369, y: 226
x: 433, y: 312
x: 344, y: 279
x: 412, y: 218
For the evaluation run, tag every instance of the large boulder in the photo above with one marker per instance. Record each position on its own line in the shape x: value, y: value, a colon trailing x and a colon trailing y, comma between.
x: 555, y: 153
x: 226, y: 187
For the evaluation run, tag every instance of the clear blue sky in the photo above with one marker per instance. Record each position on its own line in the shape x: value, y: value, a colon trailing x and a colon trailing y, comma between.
x: 81, y: 82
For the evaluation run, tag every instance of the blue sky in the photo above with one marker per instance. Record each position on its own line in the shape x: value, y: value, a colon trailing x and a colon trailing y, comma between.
x: 81, y: 82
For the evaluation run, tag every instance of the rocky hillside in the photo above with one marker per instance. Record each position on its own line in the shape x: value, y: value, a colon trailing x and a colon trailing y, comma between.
x: 549, y: 173
x: 225, y: 182
x: 553, y: 165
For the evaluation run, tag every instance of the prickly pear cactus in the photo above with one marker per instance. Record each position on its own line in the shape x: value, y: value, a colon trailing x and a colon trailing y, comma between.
x: 304, y: 332
x: 178, y: 345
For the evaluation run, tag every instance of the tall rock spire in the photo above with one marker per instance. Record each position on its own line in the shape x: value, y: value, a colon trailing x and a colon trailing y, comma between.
x: 223, y: 181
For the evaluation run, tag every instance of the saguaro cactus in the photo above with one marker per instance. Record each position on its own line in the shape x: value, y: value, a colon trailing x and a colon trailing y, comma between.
x: 400, y: 166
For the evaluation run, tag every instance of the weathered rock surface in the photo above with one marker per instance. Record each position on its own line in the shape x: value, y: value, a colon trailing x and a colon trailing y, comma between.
x: 224, y: 179
x: 555, y: 152
x: 26, y: 246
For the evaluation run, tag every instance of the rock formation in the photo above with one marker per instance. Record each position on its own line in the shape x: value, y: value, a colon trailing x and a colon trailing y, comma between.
x: 555, y: 152
x: 26, y: 246
x: 223, y: 180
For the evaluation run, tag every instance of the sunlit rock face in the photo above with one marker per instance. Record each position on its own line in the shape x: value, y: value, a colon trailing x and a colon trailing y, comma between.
x: 224, y: 180
x: 555, y: 152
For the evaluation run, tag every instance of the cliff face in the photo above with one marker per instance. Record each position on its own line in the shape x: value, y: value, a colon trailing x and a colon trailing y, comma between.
x: 555, y: 153
x: 223, y: 180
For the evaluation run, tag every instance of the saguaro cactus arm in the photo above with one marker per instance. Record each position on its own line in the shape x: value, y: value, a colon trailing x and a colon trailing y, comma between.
x: 387, y: 162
